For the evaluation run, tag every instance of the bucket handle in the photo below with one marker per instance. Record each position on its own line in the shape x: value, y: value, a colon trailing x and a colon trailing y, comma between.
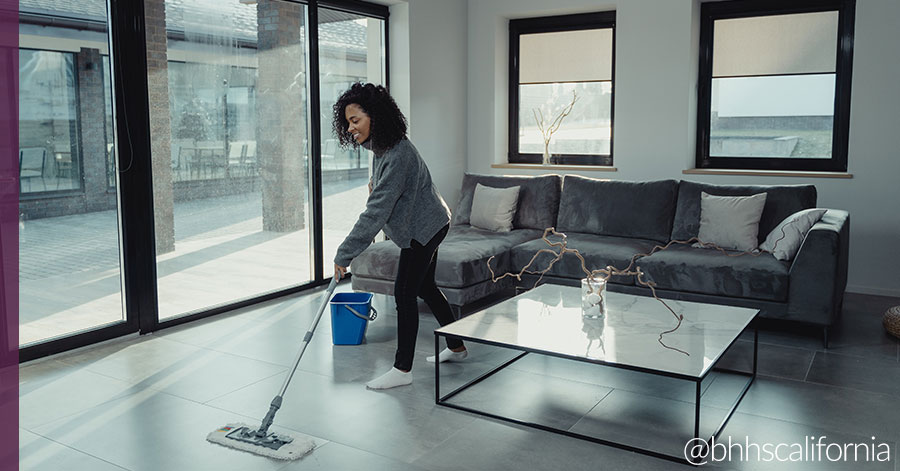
x: 370, y: 317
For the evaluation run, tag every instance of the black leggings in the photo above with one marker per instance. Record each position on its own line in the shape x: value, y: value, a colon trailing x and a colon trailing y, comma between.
x: 415, y: 278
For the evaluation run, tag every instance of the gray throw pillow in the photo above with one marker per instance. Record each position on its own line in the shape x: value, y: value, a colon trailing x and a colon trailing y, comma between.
x: 784, y: 241
x: 494, y: 208
x: 731, y: 222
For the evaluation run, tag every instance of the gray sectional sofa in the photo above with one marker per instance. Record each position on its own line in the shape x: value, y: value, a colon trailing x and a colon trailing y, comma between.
x: 610, y: 221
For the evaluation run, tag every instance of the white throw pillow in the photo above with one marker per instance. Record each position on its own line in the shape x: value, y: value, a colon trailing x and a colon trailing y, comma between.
x: 784, y: 241
x: 494, y: 208
x: 731, y: 222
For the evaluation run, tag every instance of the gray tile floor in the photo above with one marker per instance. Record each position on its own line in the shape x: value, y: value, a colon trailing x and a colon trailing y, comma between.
x: 147, y: 403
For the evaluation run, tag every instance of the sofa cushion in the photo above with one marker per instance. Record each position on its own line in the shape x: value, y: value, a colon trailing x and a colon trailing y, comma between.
x: 615, y: 208
x: 709, y: 271
x: 462, y: 256
x: 731, y: 222
x: 494, y: 208
x: 598, y: 252
x: 781, y: 202
x: 538, y: 199
x: 784, y: 241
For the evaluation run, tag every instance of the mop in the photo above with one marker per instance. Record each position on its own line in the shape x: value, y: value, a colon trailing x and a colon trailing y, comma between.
x: 260, y: 441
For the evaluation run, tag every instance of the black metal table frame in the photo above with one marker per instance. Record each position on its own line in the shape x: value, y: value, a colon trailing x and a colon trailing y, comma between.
x: 443, y: 400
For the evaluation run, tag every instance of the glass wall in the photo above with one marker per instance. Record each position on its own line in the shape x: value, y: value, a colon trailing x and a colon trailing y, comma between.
x: 110, y: 123
x: 351, y: 49
x: 231, y: 170
x: 69, y: 269
x: 229, y: 123
x: 48, y: 133
x: 213, y: 108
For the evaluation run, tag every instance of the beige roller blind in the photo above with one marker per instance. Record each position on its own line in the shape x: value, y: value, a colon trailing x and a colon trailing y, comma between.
x: 781, y: 44
x: 566, y: 56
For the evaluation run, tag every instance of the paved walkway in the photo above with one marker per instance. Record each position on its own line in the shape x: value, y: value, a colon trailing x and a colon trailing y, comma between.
x: 69, y: 277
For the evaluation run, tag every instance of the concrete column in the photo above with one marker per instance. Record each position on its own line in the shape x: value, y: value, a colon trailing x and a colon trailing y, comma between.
x: 281, y: 115
x: 92, y: 121
x: 160, y: 125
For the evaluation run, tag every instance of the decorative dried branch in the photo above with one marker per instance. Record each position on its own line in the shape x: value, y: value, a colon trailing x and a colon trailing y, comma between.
x: 605, y: 274
x: 548, y: 130
x: 554, y: 126
x: 540, y: 122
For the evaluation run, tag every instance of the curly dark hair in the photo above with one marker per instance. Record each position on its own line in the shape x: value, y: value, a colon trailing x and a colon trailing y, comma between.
x: 387, y: 123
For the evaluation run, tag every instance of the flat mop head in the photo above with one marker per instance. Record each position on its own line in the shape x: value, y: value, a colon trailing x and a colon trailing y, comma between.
x: 243, y: 437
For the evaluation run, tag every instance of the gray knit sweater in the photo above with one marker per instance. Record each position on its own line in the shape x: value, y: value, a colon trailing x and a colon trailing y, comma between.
x: 404, y: 202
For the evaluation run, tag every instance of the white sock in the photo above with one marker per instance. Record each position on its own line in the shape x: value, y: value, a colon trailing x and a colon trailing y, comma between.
x: 449, y: 355
x: 391, y: 379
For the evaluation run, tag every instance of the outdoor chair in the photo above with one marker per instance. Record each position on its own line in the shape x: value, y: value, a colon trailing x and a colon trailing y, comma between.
x: 329, y: 153
x: 250, y: 157
x: 237, y: 151
x: 210, y: 156
x: 32, y: 161
x: 182, y: 155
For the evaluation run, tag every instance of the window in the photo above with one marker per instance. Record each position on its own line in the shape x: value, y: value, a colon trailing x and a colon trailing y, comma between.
x: 109, y: 125
x: 211, y: 105
x: 69, y: 270
x: 219, y: 158
x: 49, y: 154
x: 352, y: 48
x: 775, y: 85
x: 561, y: 71
x: 241, y: 142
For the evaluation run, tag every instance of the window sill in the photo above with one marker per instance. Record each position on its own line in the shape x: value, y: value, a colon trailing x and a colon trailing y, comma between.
x: 596, y: 168
x: 766, y: 173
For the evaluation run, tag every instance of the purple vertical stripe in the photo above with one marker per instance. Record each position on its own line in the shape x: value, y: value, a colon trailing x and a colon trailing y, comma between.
x: 9, y: 235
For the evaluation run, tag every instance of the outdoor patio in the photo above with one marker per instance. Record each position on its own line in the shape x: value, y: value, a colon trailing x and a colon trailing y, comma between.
x: 70, y: 280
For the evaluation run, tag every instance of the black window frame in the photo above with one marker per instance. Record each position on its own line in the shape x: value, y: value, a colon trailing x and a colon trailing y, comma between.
x: 76, y: 143
x: 127, y: 39
x: 553, y: 24
x: 709, y: 13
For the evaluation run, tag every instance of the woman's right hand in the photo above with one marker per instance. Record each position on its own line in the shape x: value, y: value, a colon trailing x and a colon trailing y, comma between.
x: 339, y: 271
x: 370, y: 187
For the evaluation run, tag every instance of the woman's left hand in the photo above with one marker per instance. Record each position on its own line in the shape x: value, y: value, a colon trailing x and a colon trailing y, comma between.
x: 339, y: 271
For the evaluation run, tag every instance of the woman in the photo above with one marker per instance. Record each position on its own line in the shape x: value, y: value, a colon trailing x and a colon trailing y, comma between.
x: 405, y: 203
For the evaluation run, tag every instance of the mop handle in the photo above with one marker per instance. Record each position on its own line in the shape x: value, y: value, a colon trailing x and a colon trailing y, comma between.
x: 276, y: 402
x: 309, y: 334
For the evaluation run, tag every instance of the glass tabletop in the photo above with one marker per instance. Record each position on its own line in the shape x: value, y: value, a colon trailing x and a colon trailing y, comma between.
x: 548, y: 319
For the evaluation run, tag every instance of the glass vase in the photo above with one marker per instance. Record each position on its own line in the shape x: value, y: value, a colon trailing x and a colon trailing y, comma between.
x: 593, y: 298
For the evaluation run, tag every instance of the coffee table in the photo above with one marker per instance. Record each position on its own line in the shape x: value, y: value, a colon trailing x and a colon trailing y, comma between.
x: 547, y: 320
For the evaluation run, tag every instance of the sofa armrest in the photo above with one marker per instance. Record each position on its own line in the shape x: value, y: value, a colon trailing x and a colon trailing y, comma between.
x: 818, y: 275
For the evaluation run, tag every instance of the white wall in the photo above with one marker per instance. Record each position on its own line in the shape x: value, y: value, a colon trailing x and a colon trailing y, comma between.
x: 398, y: 45
x: 657, y: 50
x: 429, y: 84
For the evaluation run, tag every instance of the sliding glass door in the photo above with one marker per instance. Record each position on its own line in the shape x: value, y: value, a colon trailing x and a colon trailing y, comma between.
x: 351, y: 49
x: 70, y: 281
x: 216, y: 183
x: 234, y: 180
x: 231, y: 146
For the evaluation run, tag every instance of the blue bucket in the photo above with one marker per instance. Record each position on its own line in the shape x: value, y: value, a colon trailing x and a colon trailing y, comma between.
x: 350, y: 316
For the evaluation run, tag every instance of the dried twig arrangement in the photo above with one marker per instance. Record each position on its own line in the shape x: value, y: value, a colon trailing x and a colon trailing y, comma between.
x: 548, y: 130
x: 604, y: 274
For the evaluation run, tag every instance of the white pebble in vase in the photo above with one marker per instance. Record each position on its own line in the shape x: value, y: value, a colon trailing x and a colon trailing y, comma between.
x: 593, y: 298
